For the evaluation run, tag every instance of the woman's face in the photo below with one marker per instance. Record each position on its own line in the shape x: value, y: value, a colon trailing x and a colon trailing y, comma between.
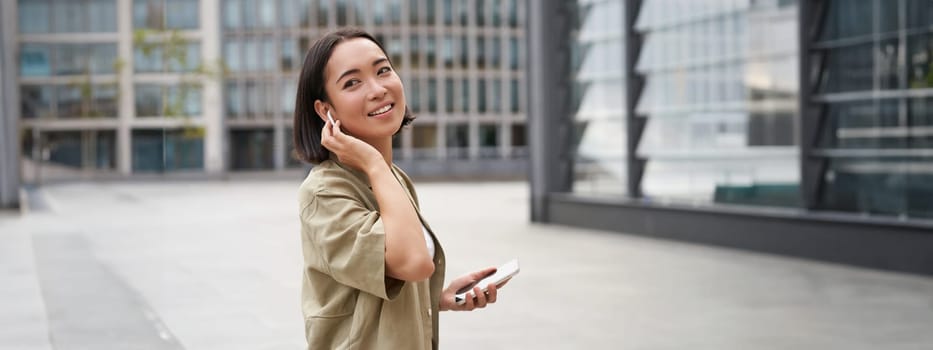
x: 365, y: 93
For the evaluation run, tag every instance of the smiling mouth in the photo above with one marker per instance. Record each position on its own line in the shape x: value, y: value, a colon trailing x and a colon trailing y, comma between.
x: 382, y: 110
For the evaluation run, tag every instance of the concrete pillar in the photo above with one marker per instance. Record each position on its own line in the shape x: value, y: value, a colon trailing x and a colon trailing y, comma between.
x: 9, y: 108
x: 127, y: 93
x: 213, y: 118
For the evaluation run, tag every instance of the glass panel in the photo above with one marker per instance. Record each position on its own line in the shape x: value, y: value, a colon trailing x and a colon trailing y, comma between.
x: 102, y: 58
x: 34, y: 16
x: 148, y: 14
x: 65, y: 148
x: 233, y: 100
x: 287, y: 102
x: 465, y: 95
x: 148, y: 100
x: 489, y: 135
x: 102, y: 16
x: 848, y: 18
x: 183, y: 151
x: 35, y: 60
x: 920, y: 61
x: 181, y: 14
x: 449, y: 95
x: 395, y: 12
x: 430, y: 11
x: 496, y: 96
x: 69, y: 17
x: 889, y: 186
x: 105, y: 101
x: 863, y: 125
x: 458, y: 141
x: 267, y: 14
x: 287, y: 13
x: 413, y: 98
x: 919, y: 13
x: 70, y: 103
x: 514, y: 102
x: 252, y: 149
x: 232, y: 56
x: 432, y: 95
x: 150, y: 63
x: 513, y: 53
x: 481, y: 95
x: 71, y: 59
x: 231, y: 15
x: 36, y: 101
x: 183, y: 100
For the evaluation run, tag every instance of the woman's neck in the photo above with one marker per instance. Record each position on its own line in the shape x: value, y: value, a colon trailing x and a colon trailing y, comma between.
x: 384, y: 147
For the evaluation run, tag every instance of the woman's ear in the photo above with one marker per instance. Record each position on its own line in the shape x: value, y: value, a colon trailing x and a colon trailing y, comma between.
x: 321, y: 109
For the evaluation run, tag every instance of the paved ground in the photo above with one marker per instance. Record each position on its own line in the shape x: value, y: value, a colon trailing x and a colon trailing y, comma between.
x: 215, y: 265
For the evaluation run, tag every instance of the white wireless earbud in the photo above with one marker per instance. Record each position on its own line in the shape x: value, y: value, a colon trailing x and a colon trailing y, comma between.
x: 330, y: 118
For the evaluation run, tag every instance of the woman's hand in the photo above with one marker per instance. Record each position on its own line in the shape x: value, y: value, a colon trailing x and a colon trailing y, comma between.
x: 348, y: 149
x: 481, y: 299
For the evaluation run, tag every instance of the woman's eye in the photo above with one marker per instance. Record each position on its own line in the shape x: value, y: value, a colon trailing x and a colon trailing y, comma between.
x: 384, y: 70
x: 350, y: 83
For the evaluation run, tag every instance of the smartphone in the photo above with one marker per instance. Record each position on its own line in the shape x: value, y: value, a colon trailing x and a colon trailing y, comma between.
x: 502, y: 274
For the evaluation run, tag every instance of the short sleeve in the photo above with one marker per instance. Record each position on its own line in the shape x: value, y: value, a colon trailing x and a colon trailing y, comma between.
x: 348, y: 241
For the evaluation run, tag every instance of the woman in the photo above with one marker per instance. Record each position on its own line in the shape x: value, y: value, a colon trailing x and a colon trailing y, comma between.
x: 374, y: 270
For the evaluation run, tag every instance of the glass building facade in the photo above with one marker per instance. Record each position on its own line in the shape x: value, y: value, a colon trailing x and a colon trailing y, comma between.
x: 461, y: 63
x: 794, y: 127
x: 208, y: 86
x: 873, y: 93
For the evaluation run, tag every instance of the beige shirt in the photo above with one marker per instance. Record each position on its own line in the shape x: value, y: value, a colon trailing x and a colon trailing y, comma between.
x: 347, y: 300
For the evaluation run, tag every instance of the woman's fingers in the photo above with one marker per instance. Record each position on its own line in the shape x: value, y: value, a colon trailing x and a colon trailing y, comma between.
x: 491, y: 293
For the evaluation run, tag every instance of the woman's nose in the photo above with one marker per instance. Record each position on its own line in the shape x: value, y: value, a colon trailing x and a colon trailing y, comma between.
x: 378, y: 91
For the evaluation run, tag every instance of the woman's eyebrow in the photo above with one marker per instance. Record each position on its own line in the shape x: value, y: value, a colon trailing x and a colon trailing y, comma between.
x: 378, y: 61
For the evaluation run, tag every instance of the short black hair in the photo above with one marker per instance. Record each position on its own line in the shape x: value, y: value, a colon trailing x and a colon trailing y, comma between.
x: 307, y: 124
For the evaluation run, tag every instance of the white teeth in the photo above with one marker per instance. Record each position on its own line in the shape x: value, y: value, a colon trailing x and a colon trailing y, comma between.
x: 382, y: 110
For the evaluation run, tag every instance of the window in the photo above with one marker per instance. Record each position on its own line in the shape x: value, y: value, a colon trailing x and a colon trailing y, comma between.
x: 489, y: 141
x: 514, y: 102
x: 289, y: 55
x: 287, y: 100
x: 395, y: 12
x: 166, y: 14
x: 231, y: 13
x: 36, y: 101
x: 267, y: 14
x: 464, y: 52
x: 448, y: 54
x: 414, y: 98
x: 35, y: 60
x: 73, y: 59
x: 233, y: 56
x: 166, y: 57
x: 513, y: 53
x: 496, y: 95
x: 465, y: 95
x: 252, y: 149
x: 518, y: 135
x: 458, y: 141
x: 168, y: 101
x: 86, y: 101
x: 424, y: 136
x: 34, y: 16
x: 167, y: 150
x: 432, y: 95
x: 232, y: 101
x: 481, y: 95
x: 449, y: 95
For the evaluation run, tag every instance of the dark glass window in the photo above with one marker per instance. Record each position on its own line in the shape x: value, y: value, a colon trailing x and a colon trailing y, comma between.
x: 36, y: 101
x: 167, y: 150
x: 449, y: 95
x: 252, y: 149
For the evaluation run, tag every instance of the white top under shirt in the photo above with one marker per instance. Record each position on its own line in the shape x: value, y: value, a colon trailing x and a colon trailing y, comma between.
x: 428, y: 240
